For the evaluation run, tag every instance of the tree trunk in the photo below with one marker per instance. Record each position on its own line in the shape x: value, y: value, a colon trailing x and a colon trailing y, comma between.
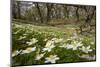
x: 18, y: 7
x: 39, y: 12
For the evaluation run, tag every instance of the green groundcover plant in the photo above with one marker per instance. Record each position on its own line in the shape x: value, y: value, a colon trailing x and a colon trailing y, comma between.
x: 33, y: 45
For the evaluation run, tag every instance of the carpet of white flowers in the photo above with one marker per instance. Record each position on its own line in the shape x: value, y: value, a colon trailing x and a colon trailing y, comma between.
x: 33, y: 45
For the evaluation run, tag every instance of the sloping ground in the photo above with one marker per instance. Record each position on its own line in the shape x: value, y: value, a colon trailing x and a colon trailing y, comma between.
x: 33, y: 44
x: 66, y: 29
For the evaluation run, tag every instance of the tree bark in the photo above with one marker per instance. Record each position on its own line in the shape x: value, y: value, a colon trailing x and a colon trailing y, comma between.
x: 39, y: 12
x: 18, y: 9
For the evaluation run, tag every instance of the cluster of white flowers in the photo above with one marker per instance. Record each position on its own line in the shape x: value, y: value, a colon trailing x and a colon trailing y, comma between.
x: 39, y: 56
x: 32, y: 41
x: 28, y: 50
x: 74, y: 45
x: 51, y: 59
x: 86, y: 49
x: 49, y: 45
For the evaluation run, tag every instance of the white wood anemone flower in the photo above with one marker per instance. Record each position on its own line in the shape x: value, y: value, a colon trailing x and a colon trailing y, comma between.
x: 92, y: 42
x: 74, y: 45
x: 49, y: 45
x: 39, y: 56
x: 28, y: 50
x: 52, y: 59
x: 32, y: 41
x: 45, y: 39
x: 69, y: 46
x: 16, y: 52
x: 56, y: 40
x: 63, y: 46
x: 22, y: 37
x: 86, y: 49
